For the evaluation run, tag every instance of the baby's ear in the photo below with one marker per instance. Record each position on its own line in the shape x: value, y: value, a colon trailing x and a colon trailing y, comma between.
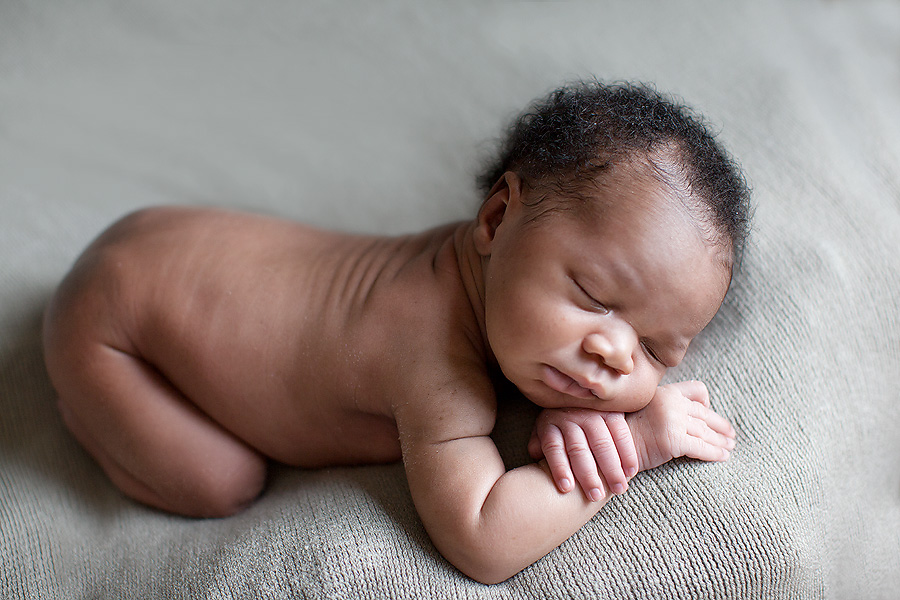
x: 491, y: 213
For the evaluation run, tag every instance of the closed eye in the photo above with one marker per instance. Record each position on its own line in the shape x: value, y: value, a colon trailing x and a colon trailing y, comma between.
x: 595, y: 304
x: 652, y: 353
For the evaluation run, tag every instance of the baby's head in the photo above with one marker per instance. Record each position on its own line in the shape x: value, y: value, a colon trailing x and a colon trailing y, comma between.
x: 566, y: 143
x: 611, y: 225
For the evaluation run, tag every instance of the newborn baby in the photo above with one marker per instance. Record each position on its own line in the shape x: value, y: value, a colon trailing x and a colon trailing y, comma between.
x: 189, y: 346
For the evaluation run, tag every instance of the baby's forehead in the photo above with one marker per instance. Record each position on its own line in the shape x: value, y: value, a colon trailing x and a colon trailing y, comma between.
x: 636, y: 196
x: 636, y: 226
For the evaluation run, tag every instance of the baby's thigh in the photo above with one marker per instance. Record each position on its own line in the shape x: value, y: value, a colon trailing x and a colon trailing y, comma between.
x: 154, y: 444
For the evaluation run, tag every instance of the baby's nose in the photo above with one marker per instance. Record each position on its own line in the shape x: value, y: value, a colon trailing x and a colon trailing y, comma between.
x: 613, y: 348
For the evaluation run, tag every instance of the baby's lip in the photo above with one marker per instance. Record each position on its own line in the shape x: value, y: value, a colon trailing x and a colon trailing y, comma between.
x: 567, y: 384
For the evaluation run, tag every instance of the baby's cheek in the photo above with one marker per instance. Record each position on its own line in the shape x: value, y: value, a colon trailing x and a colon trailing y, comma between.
x: 647, y: 389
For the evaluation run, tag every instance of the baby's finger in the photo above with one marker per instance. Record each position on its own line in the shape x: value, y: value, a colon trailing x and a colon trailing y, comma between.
x: 605, y: 456
x: 701, y: 450
x: 621, y: 435
x: 713, y: 419
x: 695, y: 391
x: 554, y: 450
x: 581, y: 458
x: 700, y: 429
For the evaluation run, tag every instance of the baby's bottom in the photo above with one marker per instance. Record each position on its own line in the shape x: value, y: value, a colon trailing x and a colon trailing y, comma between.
x: 153, y: 443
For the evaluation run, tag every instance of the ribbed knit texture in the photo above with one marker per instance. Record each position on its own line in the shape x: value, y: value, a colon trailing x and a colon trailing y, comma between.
x: 372, y: 116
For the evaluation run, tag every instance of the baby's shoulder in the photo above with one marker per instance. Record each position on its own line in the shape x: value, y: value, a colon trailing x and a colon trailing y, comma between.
x: 447, y: 399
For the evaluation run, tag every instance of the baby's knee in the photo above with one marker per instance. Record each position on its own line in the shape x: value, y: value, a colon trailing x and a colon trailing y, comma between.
x: 227, y: 489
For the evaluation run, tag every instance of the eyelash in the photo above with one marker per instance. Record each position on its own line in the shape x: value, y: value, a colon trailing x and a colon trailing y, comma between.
x: 596, y: 304
x: 652, y: 354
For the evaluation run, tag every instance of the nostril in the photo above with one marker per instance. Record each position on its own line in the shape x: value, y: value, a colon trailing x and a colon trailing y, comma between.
x: 614, y: 356
x: 597, y: 344
x: 627, y: 366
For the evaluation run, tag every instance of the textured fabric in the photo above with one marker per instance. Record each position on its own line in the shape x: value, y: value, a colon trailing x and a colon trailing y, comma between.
x: 374, y: 117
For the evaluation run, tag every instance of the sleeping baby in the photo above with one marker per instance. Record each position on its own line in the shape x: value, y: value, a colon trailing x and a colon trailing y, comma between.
x: 190, y: 347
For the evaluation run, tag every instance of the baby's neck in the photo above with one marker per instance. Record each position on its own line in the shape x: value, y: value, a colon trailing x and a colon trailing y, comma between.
x: 471, y: 271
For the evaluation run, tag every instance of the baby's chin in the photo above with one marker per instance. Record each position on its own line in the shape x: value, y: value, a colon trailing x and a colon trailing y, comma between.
x: 538, y: 393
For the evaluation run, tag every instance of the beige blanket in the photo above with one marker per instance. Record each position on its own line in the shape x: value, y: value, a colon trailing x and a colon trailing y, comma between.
x: 372, y: 116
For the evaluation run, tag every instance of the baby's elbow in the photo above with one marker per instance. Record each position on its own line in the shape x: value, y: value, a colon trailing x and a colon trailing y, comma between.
x: 488, y: 569
x: 483, y: 547
x: 491, y: 577
x: 485, y: 563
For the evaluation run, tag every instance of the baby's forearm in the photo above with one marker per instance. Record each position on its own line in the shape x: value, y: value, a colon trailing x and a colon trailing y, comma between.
x: 525, y: 517
x: 522, y: 518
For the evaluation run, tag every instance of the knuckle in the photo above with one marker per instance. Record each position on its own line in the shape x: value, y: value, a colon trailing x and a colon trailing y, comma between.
x: 620, y: 431
x: 612, y: 417
x: 578, y: 448
x: 554, y: 447
x: 603, y: 446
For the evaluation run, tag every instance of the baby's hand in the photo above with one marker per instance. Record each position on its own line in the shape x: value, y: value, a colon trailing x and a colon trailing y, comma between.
x: 585, y: 444
x: 679, y: 422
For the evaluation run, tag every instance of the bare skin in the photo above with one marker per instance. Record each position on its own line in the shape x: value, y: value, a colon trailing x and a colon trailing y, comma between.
x: 191, y: 346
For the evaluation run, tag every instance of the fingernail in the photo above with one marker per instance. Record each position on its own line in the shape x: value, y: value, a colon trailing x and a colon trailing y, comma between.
x: 730, y: 444
x: 631, y: 472
x: 619, y: 488
x: 596, y: 495
x: 565, y: 485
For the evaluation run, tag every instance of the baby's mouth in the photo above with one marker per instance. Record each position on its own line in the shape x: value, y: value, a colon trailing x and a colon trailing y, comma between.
x: 560, y: 382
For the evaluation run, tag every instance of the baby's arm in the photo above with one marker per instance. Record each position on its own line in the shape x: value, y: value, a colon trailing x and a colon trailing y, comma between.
x: 488, y: 522
x: 678, y: 421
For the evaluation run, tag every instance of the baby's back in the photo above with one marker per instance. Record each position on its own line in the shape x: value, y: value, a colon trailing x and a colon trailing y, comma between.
x: 279, y: 332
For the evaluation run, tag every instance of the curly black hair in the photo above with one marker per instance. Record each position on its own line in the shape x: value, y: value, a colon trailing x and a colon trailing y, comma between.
x: 583, y: 129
